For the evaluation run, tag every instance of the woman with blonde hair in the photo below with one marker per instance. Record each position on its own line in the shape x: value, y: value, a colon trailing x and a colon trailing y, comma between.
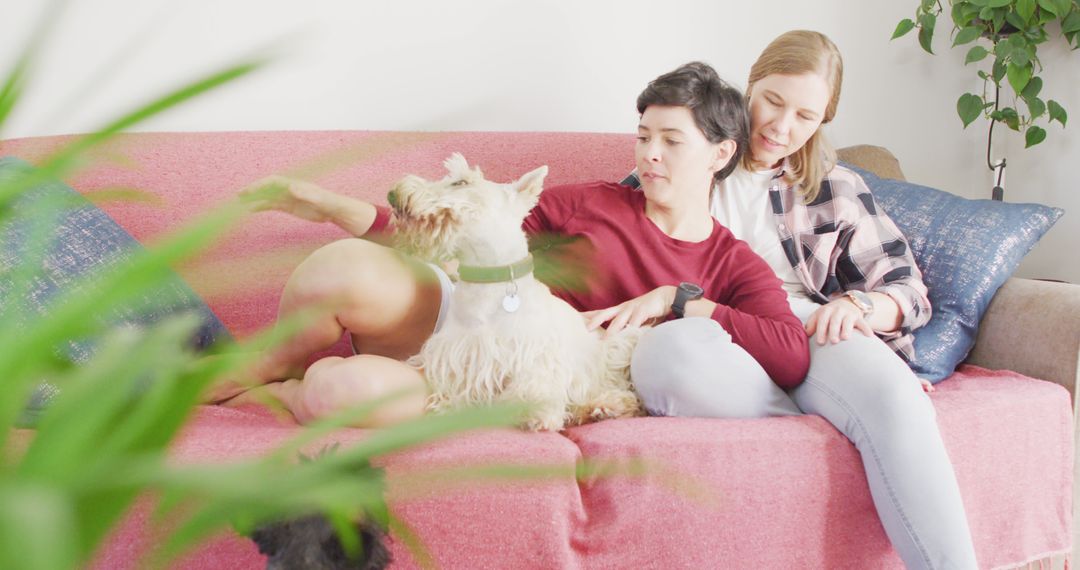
x: 850, y: 277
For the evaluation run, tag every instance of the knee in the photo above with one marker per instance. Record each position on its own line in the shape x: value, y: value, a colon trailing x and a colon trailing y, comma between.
x: 334, y: 384
x: 665, y: 359
x: 690, y: 367
x: 850, y: 392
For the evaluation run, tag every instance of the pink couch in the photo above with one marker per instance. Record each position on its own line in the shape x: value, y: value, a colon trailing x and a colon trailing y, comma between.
x: 772, y: 493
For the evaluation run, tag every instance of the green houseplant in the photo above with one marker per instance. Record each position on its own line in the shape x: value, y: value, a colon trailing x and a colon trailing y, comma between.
x: 1007, y: 35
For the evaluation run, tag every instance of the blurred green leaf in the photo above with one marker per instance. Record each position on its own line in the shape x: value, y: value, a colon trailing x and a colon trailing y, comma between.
x: 37, y: 528
x: 976, y: 53
x: 75, y: 315
x: 1036, y: 107
x: 1049, y: 6
x: 998, y: 72
x: 1016, y: 20
x: 966, y: 35
x: 67, y: 437
x: 1071, y: 24
x: 1057, y: 112
x: 1034, y: 136
x: 1011, y: 118
x: 902, y: 28
x: 999, y: 20
x: 403, y: 532
x: 1034, y: 87
x: 1063, y: 7
x: 926, y: 31
x: 969, y: 107
x: 1019, y: 76
x: 1025, y: 9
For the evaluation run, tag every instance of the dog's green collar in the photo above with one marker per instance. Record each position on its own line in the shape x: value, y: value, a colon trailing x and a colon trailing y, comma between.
x: 496, y: 274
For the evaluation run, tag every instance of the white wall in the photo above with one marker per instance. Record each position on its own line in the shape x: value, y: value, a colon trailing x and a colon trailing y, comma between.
x: 528, y: 65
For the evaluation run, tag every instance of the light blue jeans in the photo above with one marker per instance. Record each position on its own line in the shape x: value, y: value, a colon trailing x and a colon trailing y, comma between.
x: 690, y: 367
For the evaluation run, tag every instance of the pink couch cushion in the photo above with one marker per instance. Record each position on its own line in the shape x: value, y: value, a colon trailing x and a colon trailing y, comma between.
x: 776, y: 493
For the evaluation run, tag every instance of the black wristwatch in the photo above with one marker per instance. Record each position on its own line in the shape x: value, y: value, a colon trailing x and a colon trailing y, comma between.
x: 685, y: 293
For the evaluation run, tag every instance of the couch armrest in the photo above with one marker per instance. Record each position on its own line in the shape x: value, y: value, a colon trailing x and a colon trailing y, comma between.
x: 1033, y: 327
x: 876, y: 159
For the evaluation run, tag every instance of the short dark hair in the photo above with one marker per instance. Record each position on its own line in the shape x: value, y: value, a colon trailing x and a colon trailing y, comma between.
x: 719, y: 110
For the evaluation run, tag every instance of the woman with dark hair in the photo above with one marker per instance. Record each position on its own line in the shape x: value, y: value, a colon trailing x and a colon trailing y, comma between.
x: 850, y: 276
x: 692, y: 132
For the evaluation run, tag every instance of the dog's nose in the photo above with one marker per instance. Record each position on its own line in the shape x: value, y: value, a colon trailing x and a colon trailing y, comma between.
x: 392, y: 198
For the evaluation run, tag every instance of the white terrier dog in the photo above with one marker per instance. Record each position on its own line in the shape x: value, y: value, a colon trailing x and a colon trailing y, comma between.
x: 506, y: 337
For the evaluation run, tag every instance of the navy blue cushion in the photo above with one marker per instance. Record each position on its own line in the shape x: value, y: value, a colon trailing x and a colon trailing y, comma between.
x: 83, y: 237
x: 966, y: 250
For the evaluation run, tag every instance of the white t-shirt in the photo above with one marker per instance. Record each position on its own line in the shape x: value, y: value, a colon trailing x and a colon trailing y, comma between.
x: 741, y: 204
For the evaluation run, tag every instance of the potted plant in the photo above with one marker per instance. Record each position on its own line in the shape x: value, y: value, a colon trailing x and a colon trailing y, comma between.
x: 1008, y: 33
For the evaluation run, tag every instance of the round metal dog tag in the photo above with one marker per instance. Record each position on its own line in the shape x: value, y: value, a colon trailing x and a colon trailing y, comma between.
x: 511, y: 303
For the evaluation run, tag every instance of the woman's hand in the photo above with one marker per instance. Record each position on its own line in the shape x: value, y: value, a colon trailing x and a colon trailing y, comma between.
x: 834, y: 321
x: 650, y: 307
x: 302, y: 199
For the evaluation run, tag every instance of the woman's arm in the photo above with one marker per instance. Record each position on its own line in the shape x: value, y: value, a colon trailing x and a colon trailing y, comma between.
x: 877, y: 259
x: 758, y: 320
x: 311, y: 202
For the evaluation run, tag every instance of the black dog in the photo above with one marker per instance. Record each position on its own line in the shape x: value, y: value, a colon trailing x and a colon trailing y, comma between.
x: 310, y: 543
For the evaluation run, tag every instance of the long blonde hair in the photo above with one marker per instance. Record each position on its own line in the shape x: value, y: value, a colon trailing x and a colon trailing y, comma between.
x: 794, y: 53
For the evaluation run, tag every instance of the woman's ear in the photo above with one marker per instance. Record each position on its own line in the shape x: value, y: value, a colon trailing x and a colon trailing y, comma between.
x: 724, y: 151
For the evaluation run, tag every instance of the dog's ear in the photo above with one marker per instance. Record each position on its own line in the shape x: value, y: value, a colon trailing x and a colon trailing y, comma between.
x: 530, y: 185
x: 456, y: 165
x: 458, y: 169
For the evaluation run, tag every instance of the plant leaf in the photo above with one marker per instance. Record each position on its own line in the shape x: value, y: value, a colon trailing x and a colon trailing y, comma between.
x: 969, y: 107
x: 998, y: 3
x: 37, y: 528
x: 1019, y: 76
x: 1025, y: 9
x: 998, y: 71
x: 1033, y: 88
x: 1020, y: 57
x: 999, y: 20
x: 1049, y: 6
x: 977, y: 53
x: 926, y: 32
x: 1015, y: 20
x: 1034, y: 136
x: 1071, y: 24
x: 1063, y: 7
x: 1057, y: 112
x: 902, y: 28
x: 966, y: 35
x: 1036, y: 107
x: 1010, y: 117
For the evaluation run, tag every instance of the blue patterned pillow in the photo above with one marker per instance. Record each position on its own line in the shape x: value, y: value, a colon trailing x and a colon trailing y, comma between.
x: 966, y: 250
x: 83, y: 238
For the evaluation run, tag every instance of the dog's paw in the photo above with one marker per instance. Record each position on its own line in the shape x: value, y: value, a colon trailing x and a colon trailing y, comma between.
x: 602, y: 413
x: 546, y: 422
x: 619, y: 404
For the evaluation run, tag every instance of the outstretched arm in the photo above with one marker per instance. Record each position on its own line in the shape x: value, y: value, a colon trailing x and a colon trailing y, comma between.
x: 311, y: 202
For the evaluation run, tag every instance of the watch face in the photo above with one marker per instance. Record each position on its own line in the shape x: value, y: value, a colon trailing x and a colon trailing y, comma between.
x: 694, y: 291
x: 861, y: 300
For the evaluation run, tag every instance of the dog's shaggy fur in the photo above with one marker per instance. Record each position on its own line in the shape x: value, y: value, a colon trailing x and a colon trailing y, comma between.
x: 540, y: 354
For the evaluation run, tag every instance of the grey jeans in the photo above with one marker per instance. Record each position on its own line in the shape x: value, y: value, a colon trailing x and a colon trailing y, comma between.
x: 690, y: 367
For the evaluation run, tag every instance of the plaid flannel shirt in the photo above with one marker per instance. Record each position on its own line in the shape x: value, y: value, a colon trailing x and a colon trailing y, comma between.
x: 843, y: 240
